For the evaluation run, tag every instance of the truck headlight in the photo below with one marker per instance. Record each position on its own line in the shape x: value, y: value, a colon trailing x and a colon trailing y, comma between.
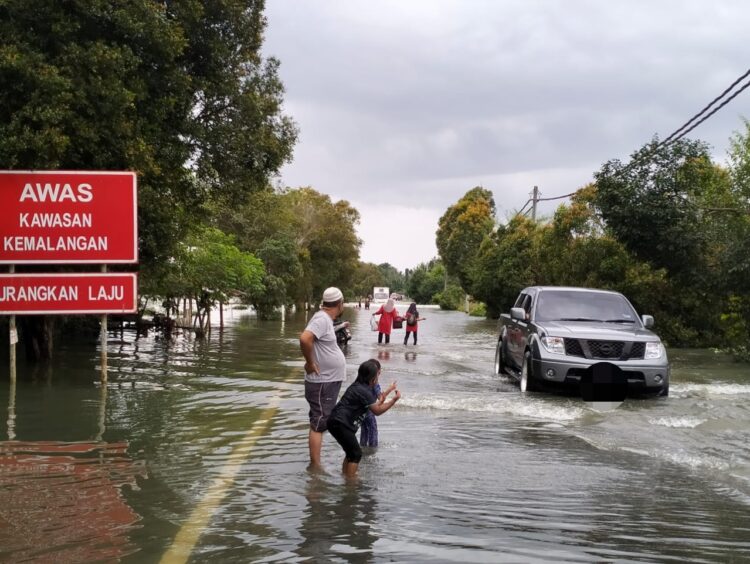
x: 554, y: 344
x: 654, y: 350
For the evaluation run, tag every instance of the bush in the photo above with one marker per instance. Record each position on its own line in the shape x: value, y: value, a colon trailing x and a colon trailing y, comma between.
x: 477, y: 309
x: 452, y: 298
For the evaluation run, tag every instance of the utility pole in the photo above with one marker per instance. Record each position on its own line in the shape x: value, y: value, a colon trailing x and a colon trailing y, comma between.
x: 534, y: 199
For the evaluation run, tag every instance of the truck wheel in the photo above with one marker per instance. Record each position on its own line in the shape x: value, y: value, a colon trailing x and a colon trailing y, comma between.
x: 499, y: 360
x: 527, y: 383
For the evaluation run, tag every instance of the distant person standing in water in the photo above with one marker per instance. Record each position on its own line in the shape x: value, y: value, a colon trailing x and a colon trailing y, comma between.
x: 412, y: 322
x: 357, y: 401
x: 325, y: 368
x: 387, y: 313
x: 367, y: 301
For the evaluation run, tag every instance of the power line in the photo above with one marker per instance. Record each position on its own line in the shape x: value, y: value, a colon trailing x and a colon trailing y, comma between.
x: 686, y: 128
x: 711, y: 103
x: 704, y: 118
x: 675, y: 136
x: 556, y: 197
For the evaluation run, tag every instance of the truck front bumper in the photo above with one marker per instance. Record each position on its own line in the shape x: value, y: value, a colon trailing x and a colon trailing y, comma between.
x: 642, y: 375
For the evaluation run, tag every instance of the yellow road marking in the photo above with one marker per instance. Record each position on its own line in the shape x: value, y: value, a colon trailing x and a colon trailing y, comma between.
x: 188, y: 535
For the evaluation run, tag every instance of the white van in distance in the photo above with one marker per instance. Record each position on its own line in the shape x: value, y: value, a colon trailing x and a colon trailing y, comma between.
x: 380, y: 295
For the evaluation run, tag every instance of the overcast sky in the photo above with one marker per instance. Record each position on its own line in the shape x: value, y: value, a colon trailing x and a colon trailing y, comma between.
x: 403, y: 106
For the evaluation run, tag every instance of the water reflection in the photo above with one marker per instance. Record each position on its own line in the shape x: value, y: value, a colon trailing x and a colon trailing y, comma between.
x: 410, y: 356
x: 338, y: 520
x: 65, y: 499
x: 384, y: 355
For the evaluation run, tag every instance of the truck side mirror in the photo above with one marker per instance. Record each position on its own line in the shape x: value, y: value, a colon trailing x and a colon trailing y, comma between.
x: 648, y: 321
x: 518, y: 313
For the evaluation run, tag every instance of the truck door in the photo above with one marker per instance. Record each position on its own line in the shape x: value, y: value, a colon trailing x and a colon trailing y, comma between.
x: 517, y: 332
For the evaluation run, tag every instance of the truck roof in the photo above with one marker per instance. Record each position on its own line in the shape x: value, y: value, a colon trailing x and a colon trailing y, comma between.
x: 569, y: 289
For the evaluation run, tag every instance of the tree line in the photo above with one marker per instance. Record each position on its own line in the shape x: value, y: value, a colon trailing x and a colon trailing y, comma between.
x: 180, y: 93
x: 670, y: 230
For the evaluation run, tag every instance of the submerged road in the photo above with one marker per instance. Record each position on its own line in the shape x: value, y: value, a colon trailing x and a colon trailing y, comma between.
x: 198, y: 452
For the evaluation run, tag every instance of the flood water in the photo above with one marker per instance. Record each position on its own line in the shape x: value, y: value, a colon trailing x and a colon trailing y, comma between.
x: 197, y: 452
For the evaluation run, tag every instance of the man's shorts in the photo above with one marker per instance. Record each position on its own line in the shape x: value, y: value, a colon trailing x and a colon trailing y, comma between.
x: 322, y: 398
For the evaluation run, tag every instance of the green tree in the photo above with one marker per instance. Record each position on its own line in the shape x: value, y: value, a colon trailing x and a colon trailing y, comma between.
x: 392, y: 278
x: 367, y: 275
x: 461, y: 230
x: 426, y: 281
x: 281, y: 259
x: 215, y: 270
x: 651, y: 204
x: 505, y: 263
x: 177, y: 91
x: 325, y: 233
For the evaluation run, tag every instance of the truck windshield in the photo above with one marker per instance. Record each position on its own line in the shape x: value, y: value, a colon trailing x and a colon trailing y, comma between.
x: 561, y: 305
x: 380, y: 296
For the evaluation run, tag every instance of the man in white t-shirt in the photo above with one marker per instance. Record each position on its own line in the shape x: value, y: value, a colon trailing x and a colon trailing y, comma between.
x: 325, y: 368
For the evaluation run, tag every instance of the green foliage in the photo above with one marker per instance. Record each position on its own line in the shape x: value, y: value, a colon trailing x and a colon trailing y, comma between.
x: 477, y: 309
x: 325, y: 233
x: 575, y: 249
x: 307, y: 242
x: 452, y: 298
x: 366, y: 276
x: 735, y: 325
x: 392, y: 278
x: 506, y: 263
x: 650, y: 204
x: 214, y: 269
x: 426, y: 281
x: 177, y: 91
x: 462, y: 228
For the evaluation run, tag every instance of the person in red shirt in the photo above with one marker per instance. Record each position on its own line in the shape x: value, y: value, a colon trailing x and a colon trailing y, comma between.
x: 387, y: 313
x: 412, y: 322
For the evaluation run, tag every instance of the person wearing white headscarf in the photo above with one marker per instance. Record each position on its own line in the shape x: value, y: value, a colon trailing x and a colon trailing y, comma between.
x: 387, y: 313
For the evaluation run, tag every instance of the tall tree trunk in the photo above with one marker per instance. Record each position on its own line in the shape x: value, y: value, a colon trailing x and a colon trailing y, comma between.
x: 221, y: 315
x: 37, y: 336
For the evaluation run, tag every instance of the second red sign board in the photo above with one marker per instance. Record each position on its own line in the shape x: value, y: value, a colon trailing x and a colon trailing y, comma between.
x: 58, y: 217
x: 68, y: 293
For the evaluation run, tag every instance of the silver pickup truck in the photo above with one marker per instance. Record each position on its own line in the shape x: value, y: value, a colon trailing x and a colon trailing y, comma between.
x: 554, y: 334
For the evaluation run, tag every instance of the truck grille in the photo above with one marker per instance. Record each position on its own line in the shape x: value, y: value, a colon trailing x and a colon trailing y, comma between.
x: 638, y: 350
x: 573, y: 348
x: 604, y: 349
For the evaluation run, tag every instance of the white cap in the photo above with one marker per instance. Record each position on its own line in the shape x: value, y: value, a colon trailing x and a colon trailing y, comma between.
x: 332, y: 294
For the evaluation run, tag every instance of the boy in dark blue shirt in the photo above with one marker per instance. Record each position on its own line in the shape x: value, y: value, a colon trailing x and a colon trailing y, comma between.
x: 358, y: 399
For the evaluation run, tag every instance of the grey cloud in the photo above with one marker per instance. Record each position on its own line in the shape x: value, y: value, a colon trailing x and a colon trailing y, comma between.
x: 412, y: 101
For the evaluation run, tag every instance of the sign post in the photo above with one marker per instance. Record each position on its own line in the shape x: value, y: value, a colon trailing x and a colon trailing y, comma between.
x: 13, y: 340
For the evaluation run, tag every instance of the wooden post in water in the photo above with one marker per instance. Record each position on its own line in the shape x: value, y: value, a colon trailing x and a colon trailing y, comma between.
x: 13, y: 335
x: 12, y: 410
x: 103, y: 337
x: 12, y: 391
